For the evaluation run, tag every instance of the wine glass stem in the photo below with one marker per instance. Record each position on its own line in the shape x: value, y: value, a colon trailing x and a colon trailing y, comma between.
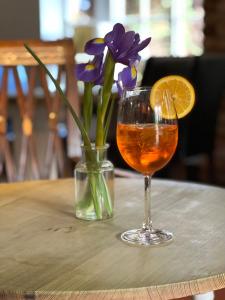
x: 147, y: 225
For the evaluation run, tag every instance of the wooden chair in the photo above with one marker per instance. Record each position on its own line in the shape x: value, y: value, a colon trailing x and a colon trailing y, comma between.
x: 13, y: 55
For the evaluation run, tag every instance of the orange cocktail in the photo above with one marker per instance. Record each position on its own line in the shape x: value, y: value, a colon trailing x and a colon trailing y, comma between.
x: 147, y: 147
x: 147, y: 137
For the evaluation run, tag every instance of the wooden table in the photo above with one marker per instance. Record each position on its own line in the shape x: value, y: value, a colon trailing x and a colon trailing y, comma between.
x: 45, y: 253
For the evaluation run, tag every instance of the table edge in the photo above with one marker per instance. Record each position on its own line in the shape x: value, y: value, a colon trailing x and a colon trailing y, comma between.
x: 165, y: 291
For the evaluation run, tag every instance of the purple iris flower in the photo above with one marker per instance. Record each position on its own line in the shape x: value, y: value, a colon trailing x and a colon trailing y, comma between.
x: 90, y: 72
x: 127, y: 79
x: 124, y: 46
x: 95, y: 46
x: 99, y: 80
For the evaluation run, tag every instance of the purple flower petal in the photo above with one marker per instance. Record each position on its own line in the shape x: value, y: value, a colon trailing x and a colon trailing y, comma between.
x: 116, y: 34
x: 119, y: 88
x: 137, y: 38
x: 95, y: 46
x: 98, y: 60
x: 127, y: 79
x: 90, y: 72
x: 143, y: 44
x: 86, y: 72
x: 99, y: 64
x: 124, y: 46
x: 134, y: 60
x: 99, y: 80
x: 126, y: 43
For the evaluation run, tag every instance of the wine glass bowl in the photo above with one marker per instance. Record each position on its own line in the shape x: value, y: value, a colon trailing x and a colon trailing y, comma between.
x: 147, y: 138
x: 146, y: 147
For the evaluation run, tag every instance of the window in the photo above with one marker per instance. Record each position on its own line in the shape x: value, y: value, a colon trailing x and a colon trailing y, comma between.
x: 176, y: 26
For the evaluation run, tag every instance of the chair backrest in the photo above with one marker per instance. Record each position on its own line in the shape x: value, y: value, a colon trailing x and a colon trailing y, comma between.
x: 22, y: 80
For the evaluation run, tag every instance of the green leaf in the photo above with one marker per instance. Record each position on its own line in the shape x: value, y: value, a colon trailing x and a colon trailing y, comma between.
x: 109, y: 117
x: 87, y: 105
x: 109, y: 68
x: 83, y: 132
x: 99, y: 128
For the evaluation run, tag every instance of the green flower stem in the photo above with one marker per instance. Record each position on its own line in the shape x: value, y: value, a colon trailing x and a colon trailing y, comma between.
x: 100, y: 193
x: 108, y: 82
x: 87, y: 105
x: 99, y: 126
x: 95, y: 193
x: 98, y: 187
x: 109, y: 116
x: 109, y: 68
x: 106, y: 194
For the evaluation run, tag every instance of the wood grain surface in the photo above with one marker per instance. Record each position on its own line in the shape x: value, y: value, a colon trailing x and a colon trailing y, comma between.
x: 45, y: 253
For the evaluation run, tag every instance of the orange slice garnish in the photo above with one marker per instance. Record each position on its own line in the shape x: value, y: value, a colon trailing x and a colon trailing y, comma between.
x: 176, y: 89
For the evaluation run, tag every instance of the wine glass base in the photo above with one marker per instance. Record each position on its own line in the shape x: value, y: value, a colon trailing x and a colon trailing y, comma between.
x: 147, y: 237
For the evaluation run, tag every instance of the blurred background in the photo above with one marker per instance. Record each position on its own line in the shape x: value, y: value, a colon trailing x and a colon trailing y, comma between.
x: 176, y: 26
x: 188, y: 39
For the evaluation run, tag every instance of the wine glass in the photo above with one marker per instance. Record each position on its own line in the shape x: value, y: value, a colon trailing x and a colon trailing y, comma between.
x: 147, y: 139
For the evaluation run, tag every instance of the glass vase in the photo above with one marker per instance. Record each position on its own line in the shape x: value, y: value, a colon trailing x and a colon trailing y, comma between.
x: 94, y: 185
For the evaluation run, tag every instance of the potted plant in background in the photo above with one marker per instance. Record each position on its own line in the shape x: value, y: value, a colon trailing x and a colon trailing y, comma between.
x: 94, y: 173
